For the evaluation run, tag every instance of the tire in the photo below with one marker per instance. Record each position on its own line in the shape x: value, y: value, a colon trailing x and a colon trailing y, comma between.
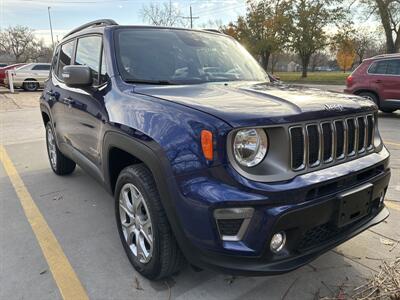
x: 158, y: 255
x: 30, y: 85
x: 370, y: 96
x: 60, y: 164
x: 387, y: 110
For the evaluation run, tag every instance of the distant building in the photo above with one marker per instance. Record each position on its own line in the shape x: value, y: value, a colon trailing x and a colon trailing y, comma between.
x: 292, y: 67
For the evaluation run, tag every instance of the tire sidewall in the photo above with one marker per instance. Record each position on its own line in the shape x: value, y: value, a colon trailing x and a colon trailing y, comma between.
x: 153, y: 266
x: 48, y: 126
x: 371, y: 97
x: 25, y: 85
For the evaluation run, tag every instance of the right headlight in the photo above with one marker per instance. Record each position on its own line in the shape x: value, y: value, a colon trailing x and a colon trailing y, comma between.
x: 250, y: 146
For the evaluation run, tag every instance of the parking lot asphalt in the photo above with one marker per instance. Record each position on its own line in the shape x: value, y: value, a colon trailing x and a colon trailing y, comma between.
x: 79, y: 214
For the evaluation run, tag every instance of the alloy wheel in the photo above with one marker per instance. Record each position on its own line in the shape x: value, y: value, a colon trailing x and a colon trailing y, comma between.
x: 136, y: 223
x: 51, y: 148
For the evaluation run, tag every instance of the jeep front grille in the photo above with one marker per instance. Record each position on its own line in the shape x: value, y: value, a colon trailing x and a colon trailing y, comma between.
x: 325, y: 142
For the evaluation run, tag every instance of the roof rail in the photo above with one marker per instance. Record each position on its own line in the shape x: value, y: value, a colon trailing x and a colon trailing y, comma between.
x: 212, y: 30
x: 387, y: 55
x: 101, y: 22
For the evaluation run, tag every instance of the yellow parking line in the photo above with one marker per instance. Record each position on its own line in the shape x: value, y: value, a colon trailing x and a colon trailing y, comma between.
x: 391, y: 143
x: 64, y: 275
x: 392, y: 205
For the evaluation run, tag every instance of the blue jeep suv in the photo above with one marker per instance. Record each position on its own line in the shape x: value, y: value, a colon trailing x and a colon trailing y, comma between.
x: 209, y: 161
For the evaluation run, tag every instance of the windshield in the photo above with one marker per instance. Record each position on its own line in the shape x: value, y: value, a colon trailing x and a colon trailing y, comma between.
x: 24, y: 67
x: 183, y: 57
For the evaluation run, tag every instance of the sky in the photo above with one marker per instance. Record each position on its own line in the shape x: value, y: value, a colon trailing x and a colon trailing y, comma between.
x: 68, y: 14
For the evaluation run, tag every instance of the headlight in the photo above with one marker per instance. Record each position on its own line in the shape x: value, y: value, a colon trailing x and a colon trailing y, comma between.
x: 250, y: 146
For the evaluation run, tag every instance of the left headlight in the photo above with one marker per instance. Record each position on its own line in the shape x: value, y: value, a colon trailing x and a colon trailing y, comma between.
x: 250, y: 146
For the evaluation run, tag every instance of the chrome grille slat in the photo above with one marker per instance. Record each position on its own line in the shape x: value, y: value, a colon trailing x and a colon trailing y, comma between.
x: 314, y: 145
x: 328, y: 141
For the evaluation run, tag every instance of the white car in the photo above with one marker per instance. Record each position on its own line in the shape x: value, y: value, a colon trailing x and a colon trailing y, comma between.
x: 30, y: 77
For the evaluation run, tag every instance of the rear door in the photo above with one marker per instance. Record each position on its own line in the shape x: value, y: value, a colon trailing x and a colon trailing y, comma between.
x: 391, y: 81
x: 56, y: 92
x: 385, y: 78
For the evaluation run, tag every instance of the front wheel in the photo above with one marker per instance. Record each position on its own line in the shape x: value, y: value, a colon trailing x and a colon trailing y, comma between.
x: 60, y: 164
x: 143, y: 226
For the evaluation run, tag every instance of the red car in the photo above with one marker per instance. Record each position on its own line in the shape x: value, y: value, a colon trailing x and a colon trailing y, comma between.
x: 4, y: 69
x: 378, y: 79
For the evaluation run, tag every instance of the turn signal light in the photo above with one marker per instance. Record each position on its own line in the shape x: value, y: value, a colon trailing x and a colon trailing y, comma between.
x: 207, y: 144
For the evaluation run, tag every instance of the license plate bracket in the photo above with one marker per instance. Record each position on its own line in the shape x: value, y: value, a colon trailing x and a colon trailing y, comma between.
x: 354, y: 204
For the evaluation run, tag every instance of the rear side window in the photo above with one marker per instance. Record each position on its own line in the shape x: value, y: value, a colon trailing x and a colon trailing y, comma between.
x: 41, y: 68
x: 378, y: 67
x: 88, y: 52
x: 393, y: 67
x: 55, y: 59
x: 65, y: 56
x: 385, y: 67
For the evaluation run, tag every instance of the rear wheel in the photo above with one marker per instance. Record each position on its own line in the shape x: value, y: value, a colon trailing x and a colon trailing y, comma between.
x: 375, y: 99
x: 387, y: 110
x: 370, y: 96
x: 143, y: 226
x: 30, y: 85
x: 60, y: 164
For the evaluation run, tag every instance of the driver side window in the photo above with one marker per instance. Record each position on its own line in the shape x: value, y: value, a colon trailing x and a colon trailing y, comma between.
x: 88, y: 53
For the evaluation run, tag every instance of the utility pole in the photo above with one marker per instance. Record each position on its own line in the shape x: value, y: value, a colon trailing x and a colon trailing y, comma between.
x: 190, y: 17
x: 51, y: 27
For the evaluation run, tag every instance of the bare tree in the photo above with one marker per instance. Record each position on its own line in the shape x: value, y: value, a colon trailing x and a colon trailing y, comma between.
x: 38, y: 51
x: 16, y: 41
x: 388, y: 11
x: 162, y: 14
x: 366, y: 44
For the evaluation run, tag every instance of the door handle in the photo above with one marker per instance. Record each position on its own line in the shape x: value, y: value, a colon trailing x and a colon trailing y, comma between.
x: 378, y: 81
x: 68, y: 101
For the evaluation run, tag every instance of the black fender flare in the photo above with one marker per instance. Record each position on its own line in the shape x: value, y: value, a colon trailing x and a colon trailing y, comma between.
x: 152, y: 155
x: 46, y: 110
x: 141, y: 150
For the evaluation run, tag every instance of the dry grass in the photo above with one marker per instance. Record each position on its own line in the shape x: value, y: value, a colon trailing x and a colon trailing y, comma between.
x: 314, y: 77
x: 384, y: 285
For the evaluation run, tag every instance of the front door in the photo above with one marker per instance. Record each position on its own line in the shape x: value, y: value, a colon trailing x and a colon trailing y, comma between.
x: 85, y: 113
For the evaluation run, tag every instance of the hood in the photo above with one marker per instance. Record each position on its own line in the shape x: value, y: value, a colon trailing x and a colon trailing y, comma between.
x: 254, y: 104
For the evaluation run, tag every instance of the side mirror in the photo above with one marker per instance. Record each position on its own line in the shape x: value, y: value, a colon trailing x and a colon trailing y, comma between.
x: 77, y: 76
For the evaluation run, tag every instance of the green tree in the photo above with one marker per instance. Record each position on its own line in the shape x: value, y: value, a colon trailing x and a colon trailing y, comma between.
x: 309, y: 21
x: 262, y: 30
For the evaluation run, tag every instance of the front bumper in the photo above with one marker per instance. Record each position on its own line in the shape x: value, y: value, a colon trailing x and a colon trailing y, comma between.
x: 305, y: 208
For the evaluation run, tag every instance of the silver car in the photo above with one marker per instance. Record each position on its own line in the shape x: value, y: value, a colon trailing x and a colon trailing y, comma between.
x: 30, y: 77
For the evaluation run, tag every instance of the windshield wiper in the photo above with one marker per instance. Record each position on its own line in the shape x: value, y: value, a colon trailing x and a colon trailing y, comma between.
x: 158, y: 82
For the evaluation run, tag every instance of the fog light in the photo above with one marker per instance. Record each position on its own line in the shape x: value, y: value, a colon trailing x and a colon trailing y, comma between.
x: 278, y: 241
